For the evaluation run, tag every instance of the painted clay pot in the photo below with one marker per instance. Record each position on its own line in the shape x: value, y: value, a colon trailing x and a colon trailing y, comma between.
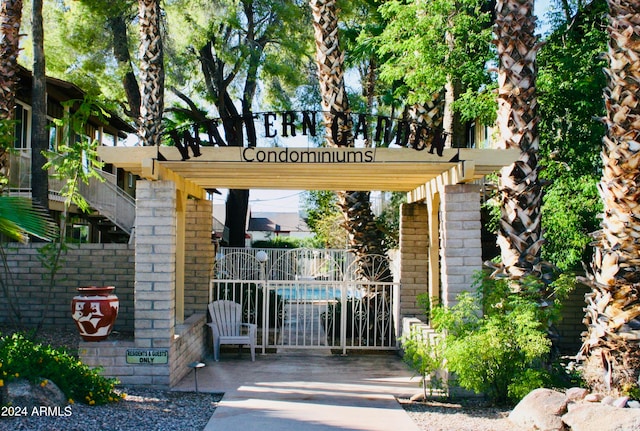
x: 94, y: 310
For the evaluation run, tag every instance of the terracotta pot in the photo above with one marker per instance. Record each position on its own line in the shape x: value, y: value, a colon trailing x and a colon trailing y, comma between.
x: 94, y: 310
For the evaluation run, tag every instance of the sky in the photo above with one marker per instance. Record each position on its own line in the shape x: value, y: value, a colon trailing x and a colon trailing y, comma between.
x: 289, y: 200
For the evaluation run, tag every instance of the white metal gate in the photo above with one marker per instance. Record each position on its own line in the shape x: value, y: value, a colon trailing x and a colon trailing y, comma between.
x: 310, y: 299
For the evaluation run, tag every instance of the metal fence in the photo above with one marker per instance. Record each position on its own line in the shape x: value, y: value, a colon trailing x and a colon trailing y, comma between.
x: 310, y: 299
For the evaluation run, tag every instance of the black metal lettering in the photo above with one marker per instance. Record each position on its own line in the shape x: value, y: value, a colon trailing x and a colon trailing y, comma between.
x: 268, y: 124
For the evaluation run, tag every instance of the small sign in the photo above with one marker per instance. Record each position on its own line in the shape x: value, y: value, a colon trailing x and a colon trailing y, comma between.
x: 147, y: 356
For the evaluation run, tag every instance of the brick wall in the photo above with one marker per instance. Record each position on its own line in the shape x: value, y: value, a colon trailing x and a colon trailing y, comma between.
x: 83, y: 265
x: 414, y: 243
x: 155, y: 278
x: 461, y: 245
x: 186, y: 347
x: 570, y: 326
x: 199, y: 256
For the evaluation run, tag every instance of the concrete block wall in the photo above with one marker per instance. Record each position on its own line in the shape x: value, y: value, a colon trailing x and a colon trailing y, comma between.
x: 155, y: 296
x: 83, y: 265
x: 186, y: 347
x: 571, y: 326
x: 155, y: 279
x: 199, y: 256
x: 414, y: 244
x: 460, y: 242
x: 189, y: 345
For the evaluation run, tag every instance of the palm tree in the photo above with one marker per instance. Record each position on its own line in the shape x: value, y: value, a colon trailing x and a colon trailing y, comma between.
x: 10, y: 19
x: 612, y: 341
x: 151, y: 73
x: 426, y: 123
x: 364, y: 236
x: 520, y: 192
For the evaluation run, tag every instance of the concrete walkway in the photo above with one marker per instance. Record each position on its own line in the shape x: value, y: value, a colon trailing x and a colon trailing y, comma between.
x: 299, y: 392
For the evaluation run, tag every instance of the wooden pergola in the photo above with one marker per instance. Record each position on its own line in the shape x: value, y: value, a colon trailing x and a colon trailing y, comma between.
x: 420, y: 174
x: 384, y: 169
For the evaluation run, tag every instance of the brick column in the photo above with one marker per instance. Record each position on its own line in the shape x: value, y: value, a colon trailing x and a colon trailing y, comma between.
x: 461, y: 247
x: 199, y: 256
x: 414, y: 242
x: 155, y: 280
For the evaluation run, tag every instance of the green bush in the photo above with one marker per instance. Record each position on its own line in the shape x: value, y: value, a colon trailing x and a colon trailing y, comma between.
x: 21, y: 357
x: 496, y: 340
x: 278, y: 242
x: 426, y: 356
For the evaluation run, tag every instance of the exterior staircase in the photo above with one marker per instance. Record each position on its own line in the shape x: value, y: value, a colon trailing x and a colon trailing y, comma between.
x: 114, y: 208
x: 110, y: 201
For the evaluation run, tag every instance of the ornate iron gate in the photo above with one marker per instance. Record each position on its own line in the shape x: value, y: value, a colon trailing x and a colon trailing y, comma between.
x: 311, y: 299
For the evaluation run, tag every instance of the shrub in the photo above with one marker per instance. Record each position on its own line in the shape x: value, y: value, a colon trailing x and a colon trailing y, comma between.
x: 425, y: 354
x: 496, y: 340
x: 21, y: 357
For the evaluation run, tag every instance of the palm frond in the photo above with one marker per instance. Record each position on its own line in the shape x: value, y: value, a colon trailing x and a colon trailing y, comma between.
x: 20, y: 217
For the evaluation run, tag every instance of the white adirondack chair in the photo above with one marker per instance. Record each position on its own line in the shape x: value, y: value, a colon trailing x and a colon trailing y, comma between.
x: 227, y: 327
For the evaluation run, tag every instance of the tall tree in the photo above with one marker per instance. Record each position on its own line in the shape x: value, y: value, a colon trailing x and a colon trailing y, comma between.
x: 39, y: 129
x: 236, y: 44
x: 612, y: 341
x: 86, y: 39
x: 449, y: 42
x: 520, y: 192
x: 151, y: 73
x: 364, y: 236
x: 569, y: 88
x: 10, y: 19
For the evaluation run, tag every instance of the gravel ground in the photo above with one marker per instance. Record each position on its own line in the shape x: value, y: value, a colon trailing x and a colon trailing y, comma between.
x: 158, y: 410
x: 469, y: 415
x: 142, y: 409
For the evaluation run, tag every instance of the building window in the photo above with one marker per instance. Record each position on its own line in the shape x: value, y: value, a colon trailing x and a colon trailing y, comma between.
x: 53, y: 136
x: 22, y: 129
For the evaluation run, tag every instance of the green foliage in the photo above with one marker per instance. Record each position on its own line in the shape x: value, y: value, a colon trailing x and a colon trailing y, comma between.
x: 481, y: 105
x: 426, y: 356
x: 496, y: 340
x: 570, y: 210
x: 424, y: 302
x: 20, y: 217
x: 426, y: 43
x: 278, y: 242
x: 21, y: 357
x: 569, y: 86
x: 76, y: 159
x: 79, y: 44
x: 389, y: 219
x: 324, y: 218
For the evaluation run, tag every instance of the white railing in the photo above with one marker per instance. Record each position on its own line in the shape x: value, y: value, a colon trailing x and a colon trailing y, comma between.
x: 310, y: 299
x: 110, y: 200
x: 104, y: 196
x: 284, y: 264
x: 313, y: 314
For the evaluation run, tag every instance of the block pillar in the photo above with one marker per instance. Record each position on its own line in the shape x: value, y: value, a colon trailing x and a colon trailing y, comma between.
x: 155, y: 279
x: 199, y: 256
x: 414, y: 243
x: 461, y: 246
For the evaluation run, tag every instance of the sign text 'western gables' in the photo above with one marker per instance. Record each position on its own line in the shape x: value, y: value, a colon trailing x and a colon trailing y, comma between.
x: 377, y: 129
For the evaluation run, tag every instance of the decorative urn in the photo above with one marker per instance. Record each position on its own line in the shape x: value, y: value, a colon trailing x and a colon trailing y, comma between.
x: 94, y: 310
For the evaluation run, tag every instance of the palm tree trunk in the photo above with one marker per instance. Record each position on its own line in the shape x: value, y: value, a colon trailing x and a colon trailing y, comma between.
x: 151, y: 73
x: 364, y: 236
x: 426, y: 129
x: 10, y: 19
x: 612, y: 340
x: 520, y: 191
x: 330, y: 62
